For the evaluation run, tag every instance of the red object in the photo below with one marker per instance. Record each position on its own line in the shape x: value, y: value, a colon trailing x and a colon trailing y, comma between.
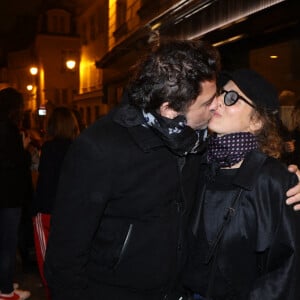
x: 41, y: 227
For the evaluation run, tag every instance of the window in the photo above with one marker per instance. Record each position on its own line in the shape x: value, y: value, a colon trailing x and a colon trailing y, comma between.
x: 101, y: 20
x: 62, y: 24
x: 83, y: 34
x: 58, y: 21
x: 92, y: 28
x: 121, y: 12
x: 121, y: 19
x: 54, y: 24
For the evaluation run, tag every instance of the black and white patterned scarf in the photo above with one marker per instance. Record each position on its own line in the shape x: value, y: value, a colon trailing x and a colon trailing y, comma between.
x: 178, y: 137
x: 229, y: 149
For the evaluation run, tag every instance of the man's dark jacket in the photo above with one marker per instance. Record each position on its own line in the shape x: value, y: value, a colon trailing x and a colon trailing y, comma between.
x: 118, y: 228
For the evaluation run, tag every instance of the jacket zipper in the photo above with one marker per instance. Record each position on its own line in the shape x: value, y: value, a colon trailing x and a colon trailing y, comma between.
x: 124, y: 246
x: 180, y: 202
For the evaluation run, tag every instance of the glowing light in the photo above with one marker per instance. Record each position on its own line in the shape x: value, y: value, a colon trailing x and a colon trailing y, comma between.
x: 229, y: 40
x: 273, y: 56
x: 29, y: 87
x: 71, y: 64
x: 155, y: 26
x: 33, y: 70
x: 42, y: 111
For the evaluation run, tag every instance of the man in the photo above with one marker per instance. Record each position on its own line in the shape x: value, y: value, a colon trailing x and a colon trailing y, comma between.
x: 127, y: 184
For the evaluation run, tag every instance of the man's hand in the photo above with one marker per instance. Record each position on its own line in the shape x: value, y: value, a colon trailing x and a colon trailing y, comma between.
x: 293, y: 194
x: 289, y: 146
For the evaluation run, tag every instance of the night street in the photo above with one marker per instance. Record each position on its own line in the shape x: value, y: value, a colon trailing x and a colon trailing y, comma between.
x: 29, y: 279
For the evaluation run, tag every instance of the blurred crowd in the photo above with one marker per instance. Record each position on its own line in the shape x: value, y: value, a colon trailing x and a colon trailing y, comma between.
x: 30, y: 162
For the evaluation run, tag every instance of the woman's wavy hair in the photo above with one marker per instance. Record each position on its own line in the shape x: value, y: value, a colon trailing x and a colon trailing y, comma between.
x: 62, y: 124
x: 172, y: 73
x: 269, y: 138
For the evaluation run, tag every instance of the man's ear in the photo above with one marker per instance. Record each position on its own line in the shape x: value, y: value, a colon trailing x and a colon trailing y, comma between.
x: 167, y: 111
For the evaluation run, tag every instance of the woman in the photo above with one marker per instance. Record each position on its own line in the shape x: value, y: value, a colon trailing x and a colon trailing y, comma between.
x: 243, y: 242
x: 62, y: 130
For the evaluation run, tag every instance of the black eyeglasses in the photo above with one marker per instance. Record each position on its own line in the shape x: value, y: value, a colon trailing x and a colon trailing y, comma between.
x: 231, y: 97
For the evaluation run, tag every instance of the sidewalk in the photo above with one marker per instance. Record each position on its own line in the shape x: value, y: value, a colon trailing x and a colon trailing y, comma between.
x: 29, y: 279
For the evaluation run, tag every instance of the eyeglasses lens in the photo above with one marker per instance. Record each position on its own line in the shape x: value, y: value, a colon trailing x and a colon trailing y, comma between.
x: 230, y: 98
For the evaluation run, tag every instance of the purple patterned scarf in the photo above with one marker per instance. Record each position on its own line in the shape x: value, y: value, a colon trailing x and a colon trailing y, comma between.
x: 229, y: 149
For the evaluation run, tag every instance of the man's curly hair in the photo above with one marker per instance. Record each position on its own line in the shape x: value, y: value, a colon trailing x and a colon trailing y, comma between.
x: 173, y: 73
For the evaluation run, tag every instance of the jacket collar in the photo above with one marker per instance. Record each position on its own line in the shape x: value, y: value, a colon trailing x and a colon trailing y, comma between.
x: 131, y: 117
x: 145, y: 138
x: 247, y: 174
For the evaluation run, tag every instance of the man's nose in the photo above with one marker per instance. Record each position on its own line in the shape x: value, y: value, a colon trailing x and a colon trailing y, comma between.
x: 213, y: 106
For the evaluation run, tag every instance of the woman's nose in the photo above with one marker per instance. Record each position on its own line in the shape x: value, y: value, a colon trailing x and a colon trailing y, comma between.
x: 220, y: 99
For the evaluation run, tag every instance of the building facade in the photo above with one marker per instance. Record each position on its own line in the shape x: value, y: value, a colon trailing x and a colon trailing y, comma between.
x: 47, y: 73
x: 260, y: 34
x: 92, y: 24
x: 111, y: 35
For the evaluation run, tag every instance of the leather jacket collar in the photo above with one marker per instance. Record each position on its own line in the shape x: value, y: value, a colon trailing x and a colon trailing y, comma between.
x: 248, y: 172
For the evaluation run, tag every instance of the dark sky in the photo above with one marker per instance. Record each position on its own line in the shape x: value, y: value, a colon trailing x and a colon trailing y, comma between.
x: 18, y: 22
x: 12, y: 9
x: 17, y: 25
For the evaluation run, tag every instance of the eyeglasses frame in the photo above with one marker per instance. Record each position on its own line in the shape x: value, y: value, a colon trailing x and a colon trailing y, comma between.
x: 239, y: 97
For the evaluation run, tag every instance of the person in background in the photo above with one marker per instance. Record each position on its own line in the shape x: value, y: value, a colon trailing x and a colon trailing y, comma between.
x: 26, y: 237
x: 293, y: 145
x: 79, y: 118
x: 34, y: 148
x: 26, y: 247
x: 62, y: 129
x: 244, y: 240
x: 25, y: 234
x: 128, y: 183
x: 288, y: 145
x: 14, y: 170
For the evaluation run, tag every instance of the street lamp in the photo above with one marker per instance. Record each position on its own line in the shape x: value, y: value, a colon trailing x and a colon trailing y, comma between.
x: 33, y: 70
x: 29, y: 87
x: 33, y: 88
x: 70, y: 64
